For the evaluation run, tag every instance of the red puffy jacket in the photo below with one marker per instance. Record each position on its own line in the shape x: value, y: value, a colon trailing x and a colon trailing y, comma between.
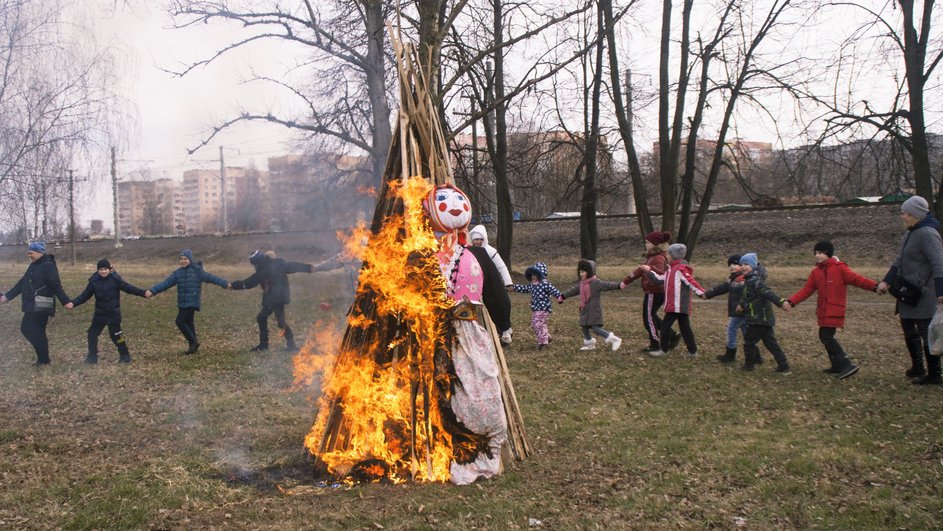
x: 831, y: 278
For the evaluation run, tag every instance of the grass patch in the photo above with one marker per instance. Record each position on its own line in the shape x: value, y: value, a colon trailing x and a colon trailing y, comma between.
x: 620, y: 439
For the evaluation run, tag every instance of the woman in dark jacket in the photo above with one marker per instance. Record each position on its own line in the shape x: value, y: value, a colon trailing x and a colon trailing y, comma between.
x: 40, y: 286
x: 106, y: 286
x: 920, y: 263
x: 189, y: 279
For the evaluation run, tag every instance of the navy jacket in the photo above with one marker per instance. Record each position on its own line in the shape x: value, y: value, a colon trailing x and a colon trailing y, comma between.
x: 272, y: 275
x: 41, y: 278
x: 107, y: 292
x: 189, y: 284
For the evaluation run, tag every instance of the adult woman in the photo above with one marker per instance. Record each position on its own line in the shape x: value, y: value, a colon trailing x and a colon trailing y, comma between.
x: 919, y: 262
x: 39, y: 286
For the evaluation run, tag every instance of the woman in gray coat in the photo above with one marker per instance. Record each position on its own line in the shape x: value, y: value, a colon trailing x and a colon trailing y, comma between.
x: 919, y: 263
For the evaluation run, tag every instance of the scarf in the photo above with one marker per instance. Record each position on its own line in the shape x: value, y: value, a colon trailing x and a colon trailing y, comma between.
x: 584, y: 290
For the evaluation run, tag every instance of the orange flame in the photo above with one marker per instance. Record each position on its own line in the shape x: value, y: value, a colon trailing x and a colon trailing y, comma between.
x: 382, y: 377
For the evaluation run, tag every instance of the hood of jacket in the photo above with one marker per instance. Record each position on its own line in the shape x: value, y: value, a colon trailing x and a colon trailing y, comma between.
x: 928, y: 221
x: 478, y: 231
x: 588, y: 265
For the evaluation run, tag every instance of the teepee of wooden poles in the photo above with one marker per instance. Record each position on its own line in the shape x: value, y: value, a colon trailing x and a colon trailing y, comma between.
x: 418, y: 148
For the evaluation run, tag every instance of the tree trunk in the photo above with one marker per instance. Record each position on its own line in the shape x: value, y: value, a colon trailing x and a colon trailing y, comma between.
x: 376, y: 88
x: 500, y: 162
x: 915, y: 51
x: 623, y: 111
x: 666, y: 178
x: 589, y: 236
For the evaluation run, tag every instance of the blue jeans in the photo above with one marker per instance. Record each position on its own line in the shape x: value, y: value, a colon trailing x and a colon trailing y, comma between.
x: 600, y: 331
x: 734, y: 324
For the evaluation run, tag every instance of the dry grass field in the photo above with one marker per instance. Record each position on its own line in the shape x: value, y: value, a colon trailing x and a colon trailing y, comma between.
x: 620, y: 440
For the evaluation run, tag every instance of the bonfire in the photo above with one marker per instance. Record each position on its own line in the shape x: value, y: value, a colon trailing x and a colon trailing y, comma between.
x: 418, y: 388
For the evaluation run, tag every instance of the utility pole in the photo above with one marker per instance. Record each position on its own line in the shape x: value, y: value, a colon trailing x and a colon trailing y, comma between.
x: 489, y: 124
x: 474, y: 125
x: 630, y: 114
x: 114, y: 192
x: 222, y: 178
x: 72, y: 212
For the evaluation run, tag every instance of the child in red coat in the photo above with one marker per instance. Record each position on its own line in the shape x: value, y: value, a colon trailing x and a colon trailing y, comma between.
x: 830, y: 279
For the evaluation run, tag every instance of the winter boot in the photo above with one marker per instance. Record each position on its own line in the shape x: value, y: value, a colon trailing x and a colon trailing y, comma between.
x: 194, y: 347
x: 916, y: 369
x: 614, y: 341
x: 91, y: 359
x: 124, y: 358
x: 259, y: 348
x: 749, y: 360
x: 589, y: 344
x: 933, y: 372
x: 729, y: 356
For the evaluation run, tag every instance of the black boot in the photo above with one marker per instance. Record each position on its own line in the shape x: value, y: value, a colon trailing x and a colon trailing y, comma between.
x: 91, y: 359
x: 933, y: 372
x: 259, y: 348
x: 729, y: 356
x: 749, y: 359
x: 124, y: 358
x: 916, y: 369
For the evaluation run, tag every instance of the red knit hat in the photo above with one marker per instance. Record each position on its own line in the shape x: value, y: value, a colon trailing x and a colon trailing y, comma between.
x: 658, y: 237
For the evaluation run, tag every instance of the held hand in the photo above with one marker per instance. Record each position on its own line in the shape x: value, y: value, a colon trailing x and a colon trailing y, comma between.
x: 148, y: 294
x: 645, y: 268
x: 787, y: 306
x: 739, y: 309
x: 882, y: 287
x: 703, y: 296
x: 2, y: 299
x: 509, y: 288
x: 228, y: 285
x: 560, y: 299
x: 69, y: 306
x: 623, y: 285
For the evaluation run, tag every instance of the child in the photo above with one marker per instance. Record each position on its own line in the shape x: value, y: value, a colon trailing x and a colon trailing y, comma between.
x: 106, y: 285
x: 189, y: 280
x: 590, y: 289
x: 272, y: 275
x: 656, y: 258
x: 679, y: 283
x: 733, y: 287
x: 755, y: 306
x: 540, y: 290
x: 830, y: 278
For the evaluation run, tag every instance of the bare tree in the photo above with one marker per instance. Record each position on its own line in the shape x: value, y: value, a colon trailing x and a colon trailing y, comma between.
x: 56, y: 105
x: 905, y: 28
x: 346, y: 97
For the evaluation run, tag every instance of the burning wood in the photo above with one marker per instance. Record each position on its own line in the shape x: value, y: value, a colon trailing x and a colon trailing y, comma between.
x: 419, y: 388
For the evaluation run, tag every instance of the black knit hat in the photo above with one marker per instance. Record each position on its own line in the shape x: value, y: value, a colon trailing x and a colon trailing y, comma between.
x: 104, y: 264
x: 824, y: 247
x: 733, y: 259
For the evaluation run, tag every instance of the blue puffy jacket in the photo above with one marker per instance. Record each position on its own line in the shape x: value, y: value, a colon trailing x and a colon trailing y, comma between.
x: 189, y: 281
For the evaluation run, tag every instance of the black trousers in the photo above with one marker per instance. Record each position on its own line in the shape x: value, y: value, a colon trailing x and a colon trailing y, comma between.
x: 836, y: 354
x: 916, y: 336
x: 752, y: 335
x: 651, y: 303
x: 33, y: 327
x: 114, y: 332
x: 186, y: 325
x: 684, y: 324
x: 262, y: 319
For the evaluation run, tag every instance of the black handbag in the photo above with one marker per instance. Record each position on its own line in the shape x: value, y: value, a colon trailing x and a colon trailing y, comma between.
x: 904, y: 291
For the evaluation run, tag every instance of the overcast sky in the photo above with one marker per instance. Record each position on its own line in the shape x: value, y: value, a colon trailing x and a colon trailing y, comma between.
x: 172, y: 113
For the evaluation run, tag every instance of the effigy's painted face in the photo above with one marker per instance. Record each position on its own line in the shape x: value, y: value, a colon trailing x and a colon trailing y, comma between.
x: 449, y: 209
